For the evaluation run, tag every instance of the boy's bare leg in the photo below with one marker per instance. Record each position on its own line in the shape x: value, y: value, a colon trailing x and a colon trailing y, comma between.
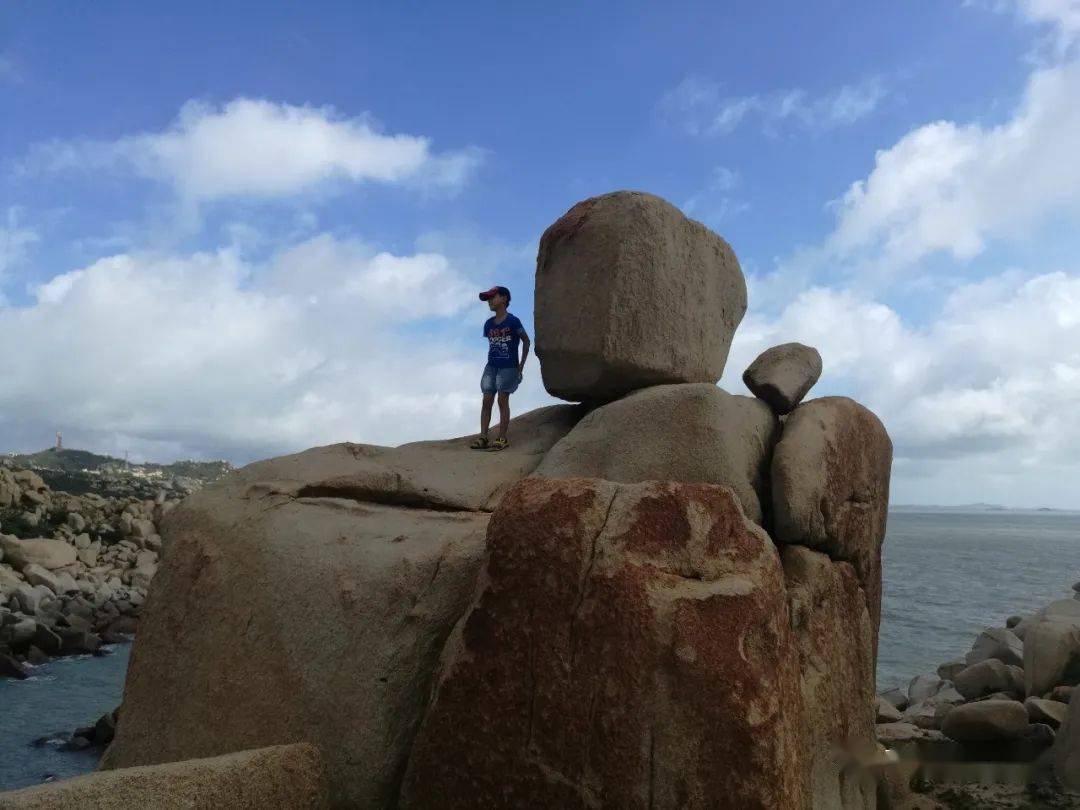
x: 485, y: 414
x: 504, y: 413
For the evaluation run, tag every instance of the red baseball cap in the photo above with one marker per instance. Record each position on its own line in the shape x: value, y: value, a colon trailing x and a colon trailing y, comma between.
x: 497, y: 290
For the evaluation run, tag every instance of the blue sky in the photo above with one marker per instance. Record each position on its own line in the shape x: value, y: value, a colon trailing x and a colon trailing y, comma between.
x: 238, y: 229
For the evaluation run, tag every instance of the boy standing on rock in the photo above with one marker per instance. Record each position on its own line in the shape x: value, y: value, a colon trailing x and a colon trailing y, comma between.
x: 503, y: 371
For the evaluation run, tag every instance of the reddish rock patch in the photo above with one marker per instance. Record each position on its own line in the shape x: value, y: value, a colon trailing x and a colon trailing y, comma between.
x: 591, y: 672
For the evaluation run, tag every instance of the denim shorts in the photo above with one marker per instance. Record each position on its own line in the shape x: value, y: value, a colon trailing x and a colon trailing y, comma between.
x: 500, y: 380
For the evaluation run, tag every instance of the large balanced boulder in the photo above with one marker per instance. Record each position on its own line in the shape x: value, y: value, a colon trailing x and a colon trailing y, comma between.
x: 628, y: 646
x: 830, y: 487
x: 690, y: 433
x: 631, y: 293
x: 43, y: 551
x: 284, y: 777
x: 986, y: 721
x: 293, y: 606
x: 836, y: 663
x: 783, y: 375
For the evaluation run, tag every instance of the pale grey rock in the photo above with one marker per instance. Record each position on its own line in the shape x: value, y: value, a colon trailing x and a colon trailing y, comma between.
x: 897, y: 697
x: 999, y: 643
x: 46, y: 552
x: 886, y: 712
x: 949, y: 669
x: 922, y: 687
x: 983, y: 678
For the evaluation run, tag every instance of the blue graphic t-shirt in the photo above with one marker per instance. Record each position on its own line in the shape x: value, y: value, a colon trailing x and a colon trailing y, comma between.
x: 503, y: 339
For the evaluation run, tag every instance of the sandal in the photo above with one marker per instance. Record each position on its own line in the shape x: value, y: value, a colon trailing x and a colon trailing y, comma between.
x: 479, y: 443
x: 499, y: 444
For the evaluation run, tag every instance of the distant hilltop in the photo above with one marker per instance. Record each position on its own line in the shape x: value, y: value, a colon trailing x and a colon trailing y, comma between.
x: 80, y: 471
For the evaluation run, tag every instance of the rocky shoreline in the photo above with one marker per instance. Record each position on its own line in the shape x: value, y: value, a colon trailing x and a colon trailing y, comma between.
x: 1006, y: 700
x: 74, y: 569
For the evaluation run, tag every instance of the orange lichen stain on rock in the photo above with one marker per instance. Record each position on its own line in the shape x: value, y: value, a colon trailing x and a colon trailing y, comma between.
x: 742, y: 685
x: 660, y: 524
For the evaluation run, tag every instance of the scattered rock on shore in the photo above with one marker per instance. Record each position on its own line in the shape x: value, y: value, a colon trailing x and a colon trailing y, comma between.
x: 986, y: 721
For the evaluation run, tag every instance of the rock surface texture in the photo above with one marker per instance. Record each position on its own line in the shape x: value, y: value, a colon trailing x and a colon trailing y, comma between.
x: 783, y: 374
x: 631, y: 293
x: 1067, y: 747
x: 692, y: 433
x: 286, y: 777
x: 628, y: 646
x: 834, y: 637
x: 323, y: 612
x: 830, y: 487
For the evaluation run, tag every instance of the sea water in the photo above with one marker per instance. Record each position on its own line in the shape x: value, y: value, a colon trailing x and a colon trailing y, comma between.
x: 947, y: 575
x: 59, y: 697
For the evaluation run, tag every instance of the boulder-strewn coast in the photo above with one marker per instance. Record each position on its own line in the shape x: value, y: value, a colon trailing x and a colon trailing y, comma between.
x: 664, y: 596
x: 1007, y: 699
x: 74, y: 569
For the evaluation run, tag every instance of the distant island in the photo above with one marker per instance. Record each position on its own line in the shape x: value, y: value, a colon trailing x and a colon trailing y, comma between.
x: 973, y: 507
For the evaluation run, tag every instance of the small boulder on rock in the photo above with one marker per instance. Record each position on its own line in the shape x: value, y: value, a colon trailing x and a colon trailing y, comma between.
x: 783, y: 375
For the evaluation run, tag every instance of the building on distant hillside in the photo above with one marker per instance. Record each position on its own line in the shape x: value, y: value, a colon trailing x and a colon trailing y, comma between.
x: 59, y: 440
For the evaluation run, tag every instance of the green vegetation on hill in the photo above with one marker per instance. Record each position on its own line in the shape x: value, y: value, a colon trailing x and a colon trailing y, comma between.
x: 77, y: 460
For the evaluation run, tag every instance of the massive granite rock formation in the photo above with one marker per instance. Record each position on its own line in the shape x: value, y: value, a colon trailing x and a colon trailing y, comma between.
x: 694, y: 433
x: 299, y: 600
x: 631, y: 293
x: 629, y: 646
x: 639, y: 641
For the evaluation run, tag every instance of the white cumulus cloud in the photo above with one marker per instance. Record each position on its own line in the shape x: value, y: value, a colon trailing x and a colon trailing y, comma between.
x: 254, y: 148
x: 952, y: 187
x: 210, y: 354
x: 992, y: 384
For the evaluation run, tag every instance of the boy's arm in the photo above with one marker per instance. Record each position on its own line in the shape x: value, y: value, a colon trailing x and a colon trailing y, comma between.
x: 525, y: 343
